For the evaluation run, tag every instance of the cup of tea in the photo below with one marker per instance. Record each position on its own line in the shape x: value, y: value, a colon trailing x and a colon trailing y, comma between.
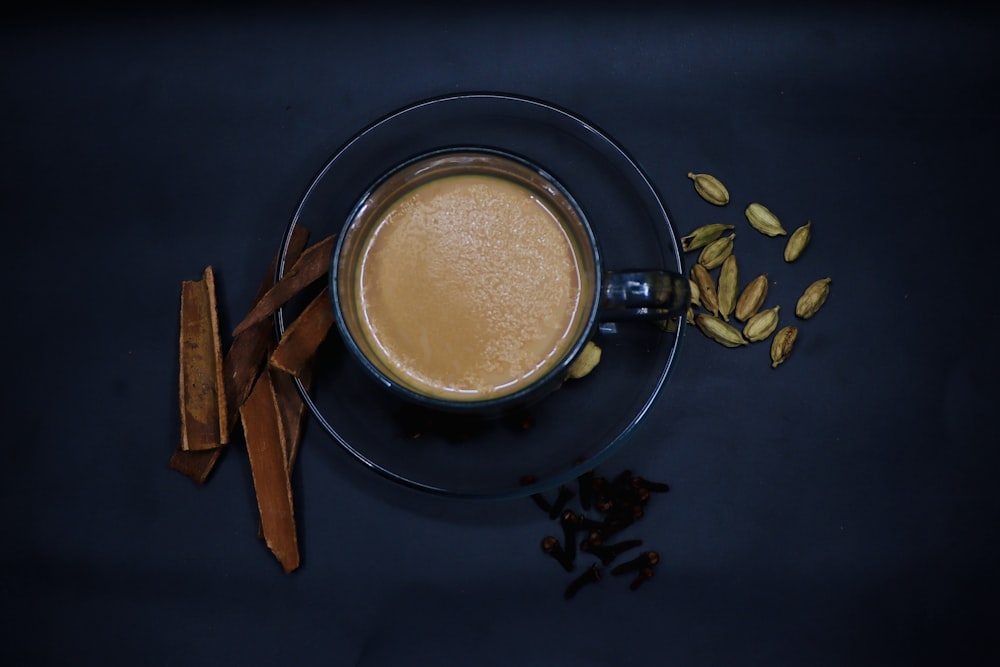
x: 468, y: 280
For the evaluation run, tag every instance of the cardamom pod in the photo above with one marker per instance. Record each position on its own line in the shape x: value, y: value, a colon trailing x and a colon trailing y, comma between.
x: 813, y: 297
x: 670, y: 325
x: 763, y: 220
x: 782, y: 344
x: 715, y: 253
x: 719, y: 331
x: 752, y: 298
x: 695, y: 293
x: 798, y: 241
x: 587, y: 360
x: 706, y: 288
x: 710, y: 188
x: 761, y: 325
x: 704, y: 235
x: 728, y: 282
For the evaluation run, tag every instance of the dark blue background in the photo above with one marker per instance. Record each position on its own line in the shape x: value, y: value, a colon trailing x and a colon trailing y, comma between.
x: 841, y: 509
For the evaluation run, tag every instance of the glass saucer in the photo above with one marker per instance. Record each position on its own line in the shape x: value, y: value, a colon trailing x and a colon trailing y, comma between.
x: 578, y: 426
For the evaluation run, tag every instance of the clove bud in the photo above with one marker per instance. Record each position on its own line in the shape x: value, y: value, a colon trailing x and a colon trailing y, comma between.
x: 539, y: 499
x: 645, y: 559
x: 570, y: 525
x: 608, y: 552
x: 551, y: 546
x: 559, y: 504
x: 655, y: 487
x: 591, y: 576
x: 645, y: 574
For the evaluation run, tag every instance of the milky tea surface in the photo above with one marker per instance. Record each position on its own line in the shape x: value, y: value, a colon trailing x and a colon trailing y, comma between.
x: 470, y: 287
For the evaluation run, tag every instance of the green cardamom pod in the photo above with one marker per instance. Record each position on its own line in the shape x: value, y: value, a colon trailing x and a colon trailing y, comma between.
x: 761, y: 325
x: 798, y: 241
x: 587, y: 360
x: 715, y: 253
x: 695, y: 293
x: 704, y: 235
x: 719, y: 331
x: 728, y: 285
x: 706, y: 288
x: 710, y: 188
x: 763, y: 220
x: 813, y: 297
x: 752, y: 298
x: 671, y: 324
x: 782, y: 344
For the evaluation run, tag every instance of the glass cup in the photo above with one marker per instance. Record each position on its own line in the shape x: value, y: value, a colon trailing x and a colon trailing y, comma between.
x: 469, y: 280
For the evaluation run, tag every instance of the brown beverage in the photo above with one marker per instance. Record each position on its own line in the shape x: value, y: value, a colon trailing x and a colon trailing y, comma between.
x: 470, y: 287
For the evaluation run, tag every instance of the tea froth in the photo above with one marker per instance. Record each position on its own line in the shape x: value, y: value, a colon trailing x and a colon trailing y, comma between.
x: 469, y: 287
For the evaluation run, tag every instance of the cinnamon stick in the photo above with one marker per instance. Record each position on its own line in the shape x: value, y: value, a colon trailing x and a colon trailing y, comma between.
x: 292, y: 409
x: 241, y: 366
x: 197, y: 465
x: 312, y: 265
x: 246, y: 356
x: 204, y: 422
x: 268, y: 450
x: 304, y: 335
x: 292, y: 412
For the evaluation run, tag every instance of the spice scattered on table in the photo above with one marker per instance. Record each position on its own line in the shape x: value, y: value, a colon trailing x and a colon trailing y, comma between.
x: 814, y: 297
x: 798, y: 241
x: 255, y: 382
x: 202, y: 398
x: 592, y: 528
x: 717, y: 298
x: 765, y: 222
x: 710, y: 188
x: 782, y: 344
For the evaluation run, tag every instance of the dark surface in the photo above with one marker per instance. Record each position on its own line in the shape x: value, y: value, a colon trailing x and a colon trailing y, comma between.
x: 841, y: 509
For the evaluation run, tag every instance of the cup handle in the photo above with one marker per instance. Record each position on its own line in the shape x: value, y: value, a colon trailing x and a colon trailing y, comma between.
x: 643, y: 294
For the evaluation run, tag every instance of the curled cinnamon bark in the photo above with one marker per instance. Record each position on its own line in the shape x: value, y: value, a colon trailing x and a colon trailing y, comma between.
x: 204, y: 418
x: 304, y: 335
x: 292, y: 409
x: 269, y: 453
x: 242, y: 364
x: 311, y: 266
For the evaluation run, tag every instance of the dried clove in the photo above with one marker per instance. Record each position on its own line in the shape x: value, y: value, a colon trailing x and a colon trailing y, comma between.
x: 621, y: 494
x: 551, y: 546
x: 655, y: 487
x: 645, y: 574
x: 598, y: 485
x: 591, y: 576
x: 620, y: 501
x: 621, y: 518
x: 622, y: 479
x: 565, y: 495
x: 608, y: 552
x: 594, y: 538
x: 545, y: 505
x: 643, y: 560
x: 570, y: 525
x: 586, y: 485
x: 584, y: 522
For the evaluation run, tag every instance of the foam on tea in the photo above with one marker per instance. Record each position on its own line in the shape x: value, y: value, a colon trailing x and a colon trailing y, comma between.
x: 470, y: 287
